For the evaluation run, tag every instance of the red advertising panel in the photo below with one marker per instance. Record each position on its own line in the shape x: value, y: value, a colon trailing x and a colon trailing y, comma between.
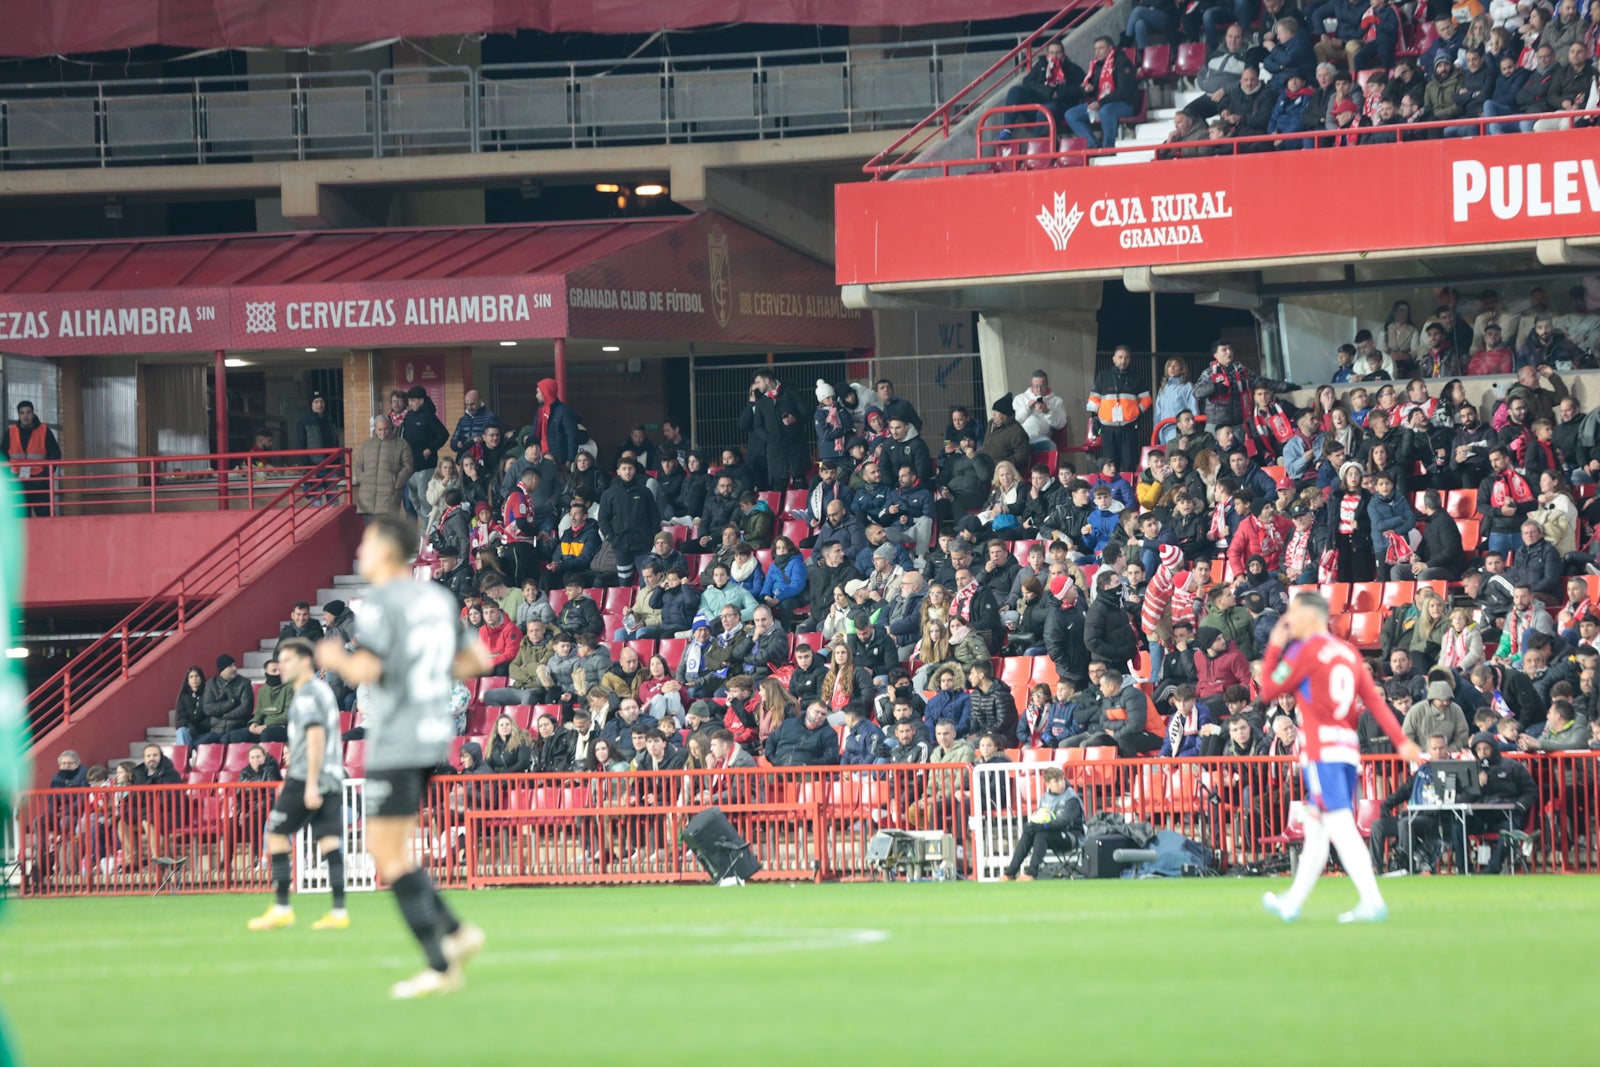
x: 712, y: 279
x: 1369, y: 198
x: 112, y: 322
x: 381, y: 314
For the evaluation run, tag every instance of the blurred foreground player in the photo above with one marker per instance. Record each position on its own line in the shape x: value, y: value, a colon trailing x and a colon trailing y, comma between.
x: 312, y: 793
x: 1327, y: 677
x: 411, y: 646
x: 14, y: 772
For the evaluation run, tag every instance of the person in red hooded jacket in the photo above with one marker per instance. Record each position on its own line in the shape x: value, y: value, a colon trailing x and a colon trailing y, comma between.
x: 1262, y: 533
x: 501, y: 636
x: 1218, y: 663
x: 556, y: 424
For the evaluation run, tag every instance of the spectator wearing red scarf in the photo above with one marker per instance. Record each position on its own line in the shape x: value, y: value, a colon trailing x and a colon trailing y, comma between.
x: 1053, y: 83
x: 1112, y: 91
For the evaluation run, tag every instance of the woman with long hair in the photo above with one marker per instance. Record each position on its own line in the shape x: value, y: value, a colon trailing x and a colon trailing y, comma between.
x: 1322, y: 407
x: 935, y: 605
x: 840, y: 612
x: 1351, y: 527
x: 1460, y: 643
x: 932, y: 650
x: 776, y: 705
x: 552, y: 746
x: 445, y: 476
x: 1176, y: 394
x: 660, y: 694
x: 1341, y: 429
x: 1399, y: 333
x: 1379, y: 462
x: 586, y: 479
x: 1427, y: 637
x: 605, y: 793
x: 1555, y: 497
x: 510, y: 749
x: 845, y: 682
x: 191, y: 718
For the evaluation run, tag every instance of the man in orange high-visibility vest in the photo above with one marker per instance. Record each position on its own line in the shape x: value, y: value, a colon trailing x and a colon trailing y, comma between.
x: 29, y: 444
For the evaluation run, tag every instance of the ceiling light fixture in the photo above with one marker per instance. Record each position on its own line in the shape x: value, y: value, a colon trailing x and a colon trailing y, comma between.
x: 650, y: 189
x: 611, y: 348
x: 311, y: 350
x: 234, y: 363
x: 508, y: 344
x: 608, y: 187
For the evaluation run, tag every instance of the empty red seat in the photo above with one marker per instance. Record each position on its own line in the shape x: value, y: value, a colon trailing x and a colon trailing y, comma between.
x: 1398, y: 594
x: 1366, y: 596
x: 355, y: 759
x: 1461, y: 503
x: 796, y: 530
x: 617, y: 598
x: 1365, y: 627
x: 796, y: 500
x: 558, y: 599
x: 1155, y: 62
x: 237, y: 757
x: 773, y: 500
x: 1469, y: 533
x: 1190, y: 60
x: 179, y: 755
x: 204, y: 763
x: 480, y: 719
x: 1071, y: 146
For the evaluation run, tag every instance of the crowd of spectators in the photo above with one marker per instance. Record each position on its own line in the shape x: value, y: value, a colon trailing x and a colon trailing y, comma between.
x: 667, y: 613
x: 1360, y: 71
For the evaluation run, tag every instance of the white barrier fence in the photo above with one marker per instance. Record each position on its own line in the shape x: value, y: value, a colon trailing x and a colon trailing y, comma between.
x: 1003, y: 796
x: 360, y: 873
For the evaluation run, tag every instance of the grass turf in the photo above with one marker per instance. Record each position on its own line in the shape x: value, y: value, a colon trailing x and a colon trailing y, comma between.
x: 1097, y: 972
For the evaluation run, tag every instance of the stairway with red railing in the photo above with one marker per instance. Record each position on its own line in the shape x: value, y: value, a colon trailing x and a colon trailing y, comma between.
x: 980, y: 93
x: 318, y: 497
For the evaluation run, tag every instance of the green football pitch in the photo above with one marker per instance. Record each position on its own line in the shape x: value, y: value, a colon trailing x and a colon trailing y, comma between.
x: 1485, y: 970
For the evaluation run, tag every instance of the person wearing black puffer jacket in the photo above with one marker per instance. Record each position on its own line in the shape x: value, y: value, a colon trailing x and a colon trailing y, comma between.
x: 629, y: 518
x: 424, y: 434
x: 994, y: 709
x: 1063, y: 631
x: 1108, y: 631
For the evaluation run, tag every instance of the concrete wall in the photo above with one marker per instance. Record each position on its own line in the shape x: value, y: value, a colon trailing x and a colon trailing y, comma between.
x: 1063, y: 342
x: 102, y: 730
x: 89, y: 560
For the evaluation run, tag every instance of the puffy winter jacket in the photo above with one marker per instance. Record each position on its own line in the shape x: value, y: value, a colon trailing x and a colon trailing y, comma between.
x: 1108, y: 632
x: 786, y: 578
x: 629, y: 517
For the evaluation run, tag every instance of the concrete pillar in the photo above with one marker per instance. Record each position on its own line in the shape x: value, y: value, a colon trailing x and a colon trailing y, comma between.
x: 1015, y: 343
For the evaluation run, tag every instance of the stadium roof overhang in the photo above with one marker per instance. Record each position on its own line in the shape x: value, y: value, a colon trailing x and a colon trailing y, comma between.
x: 700, y: 278
x: 1219, y: 223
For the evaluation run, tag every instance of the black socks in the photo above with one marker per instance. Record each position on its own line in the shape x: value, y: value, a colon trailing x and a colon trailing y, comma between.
x: 280, y: 877
x: 336, y: 877
x: 419, y: 906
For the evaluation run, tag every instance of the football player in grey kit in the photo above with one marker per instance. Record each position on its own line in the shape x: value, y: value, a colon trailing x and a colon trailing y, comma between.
x: 411, y: 647
x: 313, y: 792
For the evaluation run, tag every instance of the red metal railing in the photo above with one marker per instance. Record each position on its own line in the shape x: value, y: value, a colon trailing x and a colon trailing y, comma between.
x: 807, y: 824
x: 1032, y: 155
x: 172, y: 483
x: 184, y: 601
x: 937, y: 126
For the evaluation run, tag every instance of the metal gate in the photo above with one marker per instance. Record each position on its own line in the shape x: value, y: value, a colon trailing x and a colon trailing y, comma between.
x: 934, y: 384
x: 360, y: 873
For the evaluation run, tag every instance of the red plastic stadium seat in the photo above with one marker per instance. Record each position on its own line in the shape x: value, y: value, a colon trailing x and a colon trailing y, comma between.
x: 206, y: 761
x: 1015, y: 672
x: 1019, y: 550
x: 617, y: 598
x: 479, y: 719
x: 179, y: 755
x: 1044, y: 672
x: 773, y: 500
x: 1048, y: 460
x: 1190, y: 60
x: 1139, y: 114
x: 521, y: 714
x: 1366, y: 596
x: 355, y: 759
x: 1364, y: 629
x: 558, y: 599
x: 671, y: 650
x: 796, y: 500
x: 1339, y: 626
x: 1072, y: 145
x: 796, y: 530
x: 1461, y: 503
x: 1337, y: 594
x: 1398, y: 594
x: 1155, y: 63
x: 1469, y: 533
x: 813, y: 639
x: 237, y: 757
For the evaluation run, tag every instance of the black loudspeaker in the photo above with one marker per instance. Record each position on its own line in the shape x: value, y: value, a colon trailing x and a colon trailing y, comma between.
x: 722, y: 853
x: 1098, y: 854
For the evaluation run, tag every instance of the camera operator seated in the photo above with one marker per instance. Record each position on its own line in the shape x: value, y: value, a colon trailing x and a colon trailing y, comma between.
x: 1420, y: 830
x: 1057, y: 821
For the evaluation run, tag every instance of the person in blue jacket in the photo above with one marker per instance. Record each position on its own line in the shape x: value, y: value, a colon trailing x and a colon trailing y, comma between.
x: 1102, y: 520
x: 784, y: 587
x: 950, y: 703
x: 864, y: 743
x: 909, y: 516
x: 1189, y: 717
x: 1389, y: 512
x: 1289, y: 53
x: 834, y: 424
x: 1065, y: 716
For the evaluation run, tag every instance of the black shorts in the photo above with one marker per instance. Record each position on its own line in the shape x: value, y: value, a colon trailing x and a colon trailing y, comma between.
x: 290, y: 814
x: 396, y: 793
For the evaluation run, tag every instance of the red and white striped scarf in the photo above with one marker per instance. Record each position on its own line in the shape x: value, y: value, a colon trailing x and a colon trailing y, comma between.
x: 961, y: 603
x: 1185, y: 603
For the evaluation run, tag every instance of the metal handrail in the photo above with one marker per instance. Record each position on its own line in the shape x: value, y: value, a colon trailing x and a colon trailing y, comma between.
x: 937, y: 126
x: 184, y: 601
x: 1359, y: 136
x: 160, y: 483
x: 359, y: 113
